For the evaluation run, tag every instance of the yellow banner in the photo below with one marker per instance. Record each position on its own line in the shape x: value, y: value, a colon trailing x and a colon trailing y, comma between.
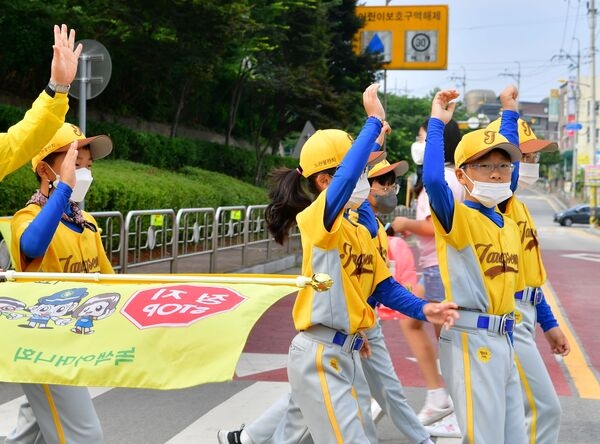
x: 158, y: 336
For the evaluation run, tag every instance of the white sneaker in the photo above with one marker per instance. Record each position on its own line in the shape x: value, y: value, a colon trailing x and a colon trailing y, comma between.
x: 447, y: 428
x: 230, y: 437
x: 430, y: 414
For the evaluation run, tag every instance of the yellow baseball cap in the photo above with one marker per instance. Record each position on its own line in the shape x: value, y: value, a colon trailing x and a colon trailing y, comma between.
x: 100, y: 146
x: 383, y: 167
x: 528, y: 142
x: 326, y: 148
x: 478, y: 143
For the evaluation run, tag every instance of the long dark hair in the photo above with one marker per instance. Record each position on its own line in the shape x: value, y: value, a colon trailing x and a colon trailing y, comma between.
x: 288, y: 198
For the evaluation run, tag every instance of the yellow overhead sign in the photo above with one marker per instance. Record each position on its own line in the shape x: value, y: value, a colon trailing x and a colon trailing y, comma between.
x: 408, y: 37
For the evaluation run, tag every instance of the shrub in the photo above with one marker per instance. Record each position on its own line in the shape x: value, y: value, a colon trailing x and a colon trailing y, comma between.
x: 125, y: 186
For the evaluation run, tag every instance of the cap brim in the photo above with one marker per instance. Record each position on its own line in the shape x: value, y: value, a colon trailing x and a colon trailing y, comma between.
x: 100, y: 146
x: 538, y: 145
x: 512, y: 150
x: 399, y: 169
x: 376, y: 157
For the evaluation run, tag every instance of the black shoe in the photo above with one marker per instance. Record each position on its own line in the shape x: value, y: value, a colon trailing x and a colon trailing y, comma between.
x: 227, y: 437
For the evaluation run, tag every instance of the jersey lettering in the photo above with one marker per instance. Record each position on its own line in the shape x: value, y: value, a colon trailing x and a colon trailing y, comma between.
x: 363, y: 263
x: 528, y: 236
x: 85, y: 266
x: 496, y: 262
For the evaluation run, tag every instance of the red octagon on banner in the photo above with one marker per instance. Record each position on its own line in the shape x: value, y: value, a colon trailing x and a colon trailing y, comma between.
x: 178, y: 305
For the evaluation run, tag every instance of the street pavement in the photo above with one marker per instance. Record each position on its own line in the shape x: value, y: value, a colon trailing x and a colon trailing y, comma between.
x: 572, y: 259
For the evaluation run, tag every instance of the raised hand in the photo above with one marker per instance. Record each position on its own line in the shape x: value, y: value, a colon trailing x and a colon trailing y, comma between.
x: 371, y: 102
x: 67, y: 169
x: 65, y: 58
x: 385, y: 130
x: 441, y: 107
x: 509, y: 98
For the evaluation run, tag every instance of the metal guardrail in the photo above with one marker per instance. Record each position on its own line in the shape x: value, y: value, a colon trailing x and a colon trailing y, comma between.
x: 198, y: 240
x: 150, y: 239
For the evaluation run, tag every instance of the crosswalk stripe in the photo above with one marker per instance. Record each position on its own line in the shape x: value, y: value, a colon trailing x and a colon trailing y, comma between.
x: 243, y: 407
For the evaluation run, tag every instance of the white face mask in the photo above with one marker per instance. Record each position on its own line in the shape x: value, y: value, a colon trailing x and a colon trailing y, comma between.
x: 361, y: 192
x: 417, y: 152
x: 529, y: 173
x: 83, y: 180
x: 489, y: 194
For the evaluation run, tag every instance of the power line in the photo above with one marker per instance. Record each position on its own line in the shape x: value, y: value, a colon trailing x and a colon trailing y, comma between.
x: 516, y: 76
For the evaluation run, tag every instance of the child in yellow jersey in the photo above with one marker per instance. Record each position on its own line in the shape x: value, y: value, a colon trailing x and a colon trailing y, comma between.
x: 52, y: 234
x: 323, y: 362
x: 481, y: 264
x: 542, y: 406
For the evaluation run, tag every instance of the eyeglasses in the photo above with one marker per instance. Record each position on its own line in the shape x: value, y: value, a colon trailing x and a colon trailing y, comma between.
x: 530, y: 158
x: 385, y: 190
x: 503, y: 168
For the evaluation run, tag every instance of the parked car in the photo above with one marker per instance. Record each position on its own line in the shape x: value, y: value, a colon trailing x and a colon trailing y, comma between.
x: 579, y: 214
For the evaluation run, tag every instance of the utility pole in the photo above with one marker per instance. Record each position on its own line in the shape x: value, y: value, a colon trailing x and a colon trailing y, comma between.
x: 592, y: 21
x: 463, y: 81
x: 576, y: 91
x: 516, y: 76
x: 576, y: 135
x: 593, y: 189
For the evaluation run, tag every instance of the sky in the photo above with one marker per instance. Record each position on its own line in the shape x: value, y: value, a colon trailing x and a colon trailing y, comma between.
x: 492, y: 43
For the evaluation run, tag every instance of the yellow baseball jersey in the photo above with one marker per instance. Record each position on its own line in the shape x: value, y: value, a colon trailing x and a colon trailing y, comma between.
x: 381, y: 240
x: 480, y: 263
x: 533, y: 267
x: 68, y: 252
x: 25, y: 139
x: 348, y: 254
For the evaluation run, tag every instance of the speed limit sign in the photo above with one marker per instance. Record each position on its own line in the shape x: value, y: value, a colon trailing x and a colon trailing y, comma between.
x: 421, y: 46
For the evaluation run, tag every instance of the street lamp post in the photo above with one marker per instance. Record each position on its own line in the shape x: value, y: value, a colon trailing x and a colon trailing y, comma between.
x: 576, y: 135
x: 593, y: 189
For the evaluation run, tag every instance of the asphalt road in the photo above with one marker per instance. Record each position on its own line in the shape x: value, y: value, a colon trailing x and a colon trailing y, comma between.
x: 572, y: 258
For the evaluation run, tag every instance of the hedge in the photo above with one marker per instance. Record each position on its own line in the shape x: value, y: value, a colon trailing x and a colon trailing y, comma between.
x: 171, y: 154
x: 123, y: 186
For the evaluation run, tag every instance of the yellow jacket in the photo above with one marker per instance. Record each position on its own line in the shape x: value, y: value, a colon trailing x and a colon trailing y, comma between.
x: 25, y: 139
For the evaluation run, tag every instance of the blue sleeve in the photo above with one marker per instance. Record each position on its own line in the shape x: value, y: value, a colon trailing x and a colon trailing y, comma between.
x: 37, y: 236
x: 376, y: 147
x: 509, y: 128
x: 366, y: 217
x: 438, y: 191
x: 545, y: 317
x: 393, y: 295
x: 345, y: 178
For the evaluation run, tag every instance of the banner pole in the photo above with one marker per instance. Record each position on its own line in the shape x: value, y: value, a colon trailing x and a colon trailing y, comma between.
x: 319, y: 281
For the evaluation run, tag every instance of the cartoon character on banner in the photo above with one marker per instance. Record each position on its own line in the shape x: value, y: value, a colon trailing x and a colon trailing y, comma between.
x: 56, y: 307
x: 9, y: 307
x: 95, y: 308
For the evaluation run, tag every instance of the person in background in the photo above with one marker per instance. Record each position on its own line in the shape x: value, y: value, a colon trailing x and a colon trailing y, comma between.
x: 542, y: 406
x: 437, y: 402
x: 417, y: 151
x: 52, y: 234
x: 23, y: 140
